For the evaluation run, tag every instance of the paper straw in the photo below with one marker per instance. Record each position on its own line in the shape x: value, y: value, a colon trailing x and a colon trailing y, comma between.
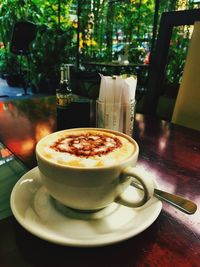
x: 116, y: 103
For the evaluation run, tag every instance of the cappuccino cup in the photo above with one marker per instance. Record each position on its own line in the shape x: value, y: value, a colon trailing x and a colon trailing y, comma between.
x: 89, y: 168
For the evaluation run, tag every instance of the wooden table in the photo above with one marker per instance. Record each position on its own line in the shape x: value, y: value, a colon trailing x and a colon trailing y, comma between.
x: 171, y: 153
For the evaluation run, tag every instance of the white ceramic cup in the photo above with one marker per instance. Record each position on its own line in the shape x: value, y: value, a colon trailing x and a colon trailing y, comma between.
x: 92, y: 188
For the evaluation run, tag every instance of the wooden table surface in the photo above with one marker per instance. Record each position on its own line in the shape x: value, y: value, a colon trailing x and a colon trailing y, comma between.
x: 170, y: 152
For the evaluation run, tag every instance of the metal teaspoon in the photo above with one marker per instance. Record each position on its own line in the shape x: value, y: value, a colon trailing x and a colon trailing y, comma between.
x: 183, y: 204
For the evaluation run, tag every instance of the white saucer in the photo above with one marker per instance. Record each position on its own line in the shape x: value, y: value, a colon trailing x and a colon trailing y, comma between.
x: 36, y: 211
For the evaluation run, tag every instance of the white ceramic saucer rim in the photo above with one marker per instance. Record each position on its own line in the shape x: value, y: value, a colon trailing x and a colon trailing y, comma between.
x: 105, y: 239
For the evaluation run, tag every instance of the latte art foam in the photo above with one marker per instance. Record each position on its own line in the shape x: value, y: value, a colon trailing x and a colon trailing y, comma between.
x: 87, y: 144
x: 85, y: 148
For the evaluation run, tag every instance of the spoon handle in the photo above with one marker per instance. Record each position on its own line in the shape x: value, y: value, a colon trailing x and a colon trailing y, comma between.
x: 178, y: 202
x: 183, y: 204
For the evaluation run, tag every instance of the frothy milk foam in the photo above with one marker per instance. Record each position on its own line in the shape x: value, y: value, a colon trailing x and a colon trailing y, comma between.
x: 85, y: 148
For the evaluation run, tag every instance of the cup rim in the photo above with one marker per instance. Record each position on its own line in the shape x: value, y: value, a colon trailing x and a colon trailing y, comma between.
x: 136, y: 151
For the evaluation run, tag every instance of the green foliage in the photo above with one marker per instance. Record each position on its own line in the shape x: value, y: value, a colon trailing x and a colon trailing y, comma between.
x: 12, y: 11
x: 54, y: 43
x: 177, y: 54
x: 104, y: 26
x: 116, y: 22
x: 50, y: 50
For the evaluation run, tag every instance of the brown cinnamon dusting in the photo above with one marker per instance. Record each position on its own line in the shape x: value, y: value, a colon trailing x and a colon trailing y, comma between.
x: 87, y: 144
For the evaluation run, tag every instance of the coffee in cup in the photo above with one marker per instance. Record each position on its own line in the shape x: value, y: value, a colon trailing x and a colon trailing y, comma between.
x: 89, y: 168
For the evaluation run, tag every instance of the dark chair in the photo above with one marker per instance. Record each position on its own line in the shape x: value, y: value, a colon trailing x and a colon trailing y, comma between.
x: 24, y: 32
x: 159, y: 57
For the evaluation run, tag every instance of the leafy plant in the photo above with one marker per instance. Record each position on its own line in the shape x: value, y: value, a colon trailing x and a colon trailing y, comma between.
x: 12, y: 11
x: 102, y: 25
x: 177, y: 54
x: 53, y: 45
x: 49, y: 51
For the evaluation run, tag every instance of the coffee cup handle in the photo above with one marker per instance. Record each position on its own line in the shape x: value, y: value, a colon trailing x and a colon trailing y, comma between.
x: 146, y: 183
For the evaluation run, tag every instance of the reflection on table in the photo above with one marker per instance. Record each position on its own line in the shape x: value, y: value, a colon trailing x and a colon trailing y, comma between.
x: 24, y: 122
x: 170, y: 153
